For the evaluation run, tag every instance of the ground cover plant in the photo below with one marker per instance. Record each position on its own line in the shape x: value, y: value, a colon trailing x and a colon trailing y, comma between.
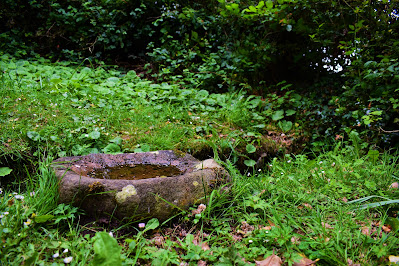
x: 297, y: 99
x: 333, y: 208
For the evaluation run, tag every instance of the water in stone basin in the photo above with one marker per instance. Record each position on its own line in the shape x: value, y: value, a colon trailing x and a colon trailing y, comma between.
x: 135, y: 172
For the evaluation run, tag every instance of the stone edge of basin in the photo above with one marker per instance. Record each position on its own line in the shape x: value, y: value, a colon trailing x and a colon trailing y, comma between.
x: 145, y: 198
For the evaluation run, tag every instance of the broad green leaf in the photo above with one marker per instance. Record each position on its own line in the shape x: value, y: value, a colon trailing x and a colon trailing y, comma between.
x: 250, y: 163
x: 290, y: 112
x: 113, y: 79
x: 5, y: 171
x: 117, y: 141
x: 285, y: 125
x: 33, y: 135
x: 43, y: 218
x: 106, y: 249
x: 151, y: 224
x: 94, y: 134
x: 250, y: 148
x: 278, y: 115
x: 112, y: 148
x: 269, y: 4
x: 142, y: 148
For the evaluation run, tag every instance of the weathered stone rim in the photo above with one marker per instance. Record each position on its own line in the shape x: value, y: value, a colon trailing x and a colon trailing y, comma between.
x: 143, y: 198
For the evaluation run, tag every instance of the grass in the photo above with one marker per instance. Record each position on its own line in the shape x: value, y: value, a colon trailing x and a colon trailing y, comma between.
x: 337, y: 207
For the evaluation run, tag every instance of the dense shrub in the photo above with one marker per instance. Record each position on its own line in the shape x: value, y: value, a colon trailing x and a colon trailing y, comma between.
x: 79, y: 28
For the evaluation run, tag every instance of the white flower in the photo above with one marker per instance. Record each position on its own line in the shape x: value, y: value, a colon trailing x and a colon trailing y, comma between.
x: 19, y: 197
x: 141, y: 225
x: 33, y: 193
x: 282, y: 173
x: 259, y: 170
x: 250, y: 241
x: 320, y: 162
x: 5, y: 213
x: 65, y: 250
x: 248, y: 174
x: 111, y: 234
x: 68, y: 259
x: 288, y: 161
x: 28, y: 222
x: 322, y: 172
x: 56, y: 255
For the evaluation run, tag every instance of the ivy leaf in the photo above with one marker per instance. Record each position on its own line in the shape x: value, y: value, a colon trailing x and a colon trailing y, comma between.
x: 278, y: 115
x: 290, y: 112
x: 285, y: 125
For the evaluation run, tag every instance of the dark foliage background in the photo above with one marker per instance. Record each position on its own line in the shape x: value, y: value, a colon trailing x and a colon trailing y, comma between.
x: 335, y: 63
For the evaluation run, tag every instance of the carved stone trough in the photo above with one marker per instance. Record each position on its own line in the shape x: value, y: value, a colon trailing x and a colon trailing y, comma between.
x: 136, y: 185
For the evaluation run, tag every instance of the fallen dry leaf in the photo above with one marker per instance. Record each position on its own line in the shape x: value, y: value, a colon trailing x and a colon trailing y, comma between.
x: 267, y: 228
x: 307, y: 205
x: 366, y: 230
x: 271, y: 223
x: 10, y: 202
x: 246, y: 228
x: 295, y: 240
x: 237, y: 238
x: 159, y: 241
x: 272, y: 260
x: 201, y: 263
x: 200, y: 209
x: 344, y: 199
x: 326, y: 225
x: 205, y: 246
x: 305, y: 261
x: 386, y: 228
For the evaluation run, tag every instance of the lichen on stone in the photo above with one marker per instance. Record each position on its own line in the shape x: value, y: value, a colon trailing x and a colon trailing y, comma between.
x: 126, y: 192
x: 209, y: 163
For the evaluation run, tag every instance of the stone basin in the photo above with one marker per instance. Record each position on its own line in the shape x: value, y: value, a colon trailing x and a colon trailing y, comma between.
x: 136, y: 185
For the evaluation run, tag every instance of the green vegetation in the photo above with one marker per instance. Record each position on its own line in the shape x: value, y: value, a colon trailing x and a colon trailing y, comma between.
x: 298, y: 99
